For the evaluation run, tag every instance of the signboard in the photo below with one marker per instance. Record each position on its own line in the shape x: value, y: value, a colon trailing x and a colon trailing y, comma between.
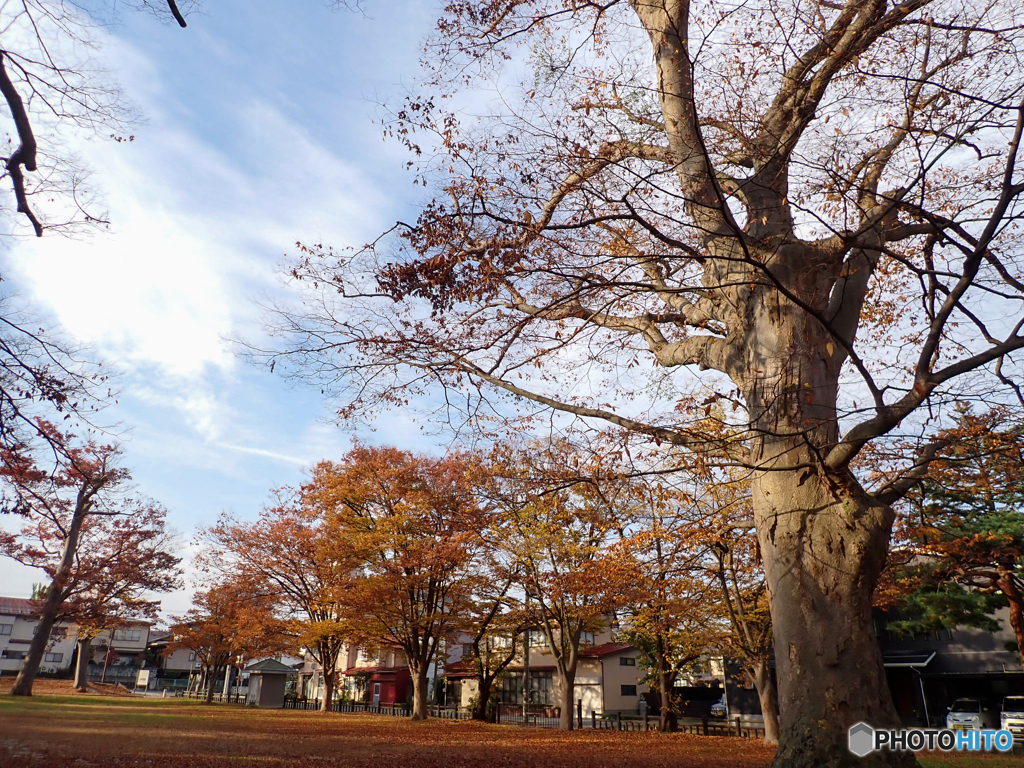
x: 142, y: 681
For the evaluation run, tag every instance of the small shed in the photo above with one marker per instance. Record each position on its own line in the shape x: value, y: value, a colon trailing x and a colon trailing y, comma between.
x: 267, y: 680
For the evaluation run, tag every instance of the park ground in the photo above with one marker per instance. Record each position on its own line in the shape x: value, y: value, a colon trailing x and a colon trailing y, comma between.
x: 122, y: 732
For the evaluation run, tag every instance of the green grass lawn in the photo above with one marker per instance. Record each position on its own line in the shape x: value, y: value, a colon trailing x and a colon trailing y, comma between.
x: 126, y: 732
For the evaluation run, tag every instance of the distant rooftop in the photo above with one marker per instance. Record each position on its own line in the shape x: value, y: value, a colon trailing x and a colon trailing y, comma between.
x: 17, y: 606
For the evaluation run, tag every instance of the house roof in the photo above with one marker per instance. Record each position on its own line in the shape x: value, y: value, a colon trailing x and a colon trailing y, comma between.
x: 272, y: 666
x: 599, y: 651
x: 16, y: 606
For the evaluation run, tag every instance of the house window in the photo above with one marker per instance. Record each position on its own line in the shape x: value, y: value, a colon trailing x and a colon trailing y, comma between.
x: 6, y: 629
x: 9, y: 653
x: 538, y: 638
x: 510, y: 690
x: 130, y: 635
x: 501, y: 641
x: 629, y: 690
x: 586, y: 638
x: 58, y: 633
x: 192, y: 656
x: 54, y: 657
x: 627, y: 661
x: 542, y: 688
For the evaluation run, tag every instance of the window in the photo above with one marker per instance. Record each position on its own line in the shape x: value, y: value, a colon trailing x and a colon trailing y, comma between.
x: 131, y: 635
x: 627, y: 661
x: 6, y: 629
x: 192, y: 656
x: 9, y: 653
x: 586, y: 638
x: 538, y: 638
x: 54, y: 657
x: 501, y: 641
x: 58, y: 633
x: 467, y: 650
x: 629, y: 690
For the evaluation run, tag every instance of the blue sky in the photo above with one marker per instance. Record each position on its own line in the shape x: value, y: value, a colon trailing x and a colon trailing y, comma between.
x: 261, y: 128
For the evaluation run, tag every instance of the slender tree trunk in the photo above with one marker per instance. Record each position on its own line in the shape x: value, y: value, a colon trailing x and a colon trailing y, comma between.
x: 211, y: 683
x: 667, y: 720
x: 768, y: 697
x: 328, y: 700
x: 82, y: 665
x: 1008, y: 584
x: 54, y: 598
x: 106, y: 662
x: 419, y: 692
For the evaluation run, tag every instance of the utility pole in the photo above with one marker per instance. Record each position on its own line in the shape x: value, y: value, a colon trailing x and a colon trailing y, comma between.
x: 526, y: 676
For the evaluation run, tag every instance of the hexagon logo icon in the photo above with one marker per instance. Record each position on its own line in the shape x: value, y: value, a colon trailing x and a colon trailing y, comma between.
x: 862, y: 739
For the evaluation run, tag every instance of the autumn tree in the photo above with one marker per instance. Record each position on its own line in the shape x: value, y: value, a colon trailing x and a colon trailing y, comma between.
x: 413, y: 525
x: 555, y: 524
x: 810, y: 206
x: 57, y: 493
x: 121, y: 560
x: 289, y: 555
x: 229, y: 622
x: 673, y: 606
x: 962, y: 530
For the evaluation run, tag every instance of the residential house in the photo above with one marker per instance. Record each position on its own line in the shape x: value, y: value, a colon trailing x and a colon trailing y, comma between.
x: 18, y: 622
x: 608, y: 675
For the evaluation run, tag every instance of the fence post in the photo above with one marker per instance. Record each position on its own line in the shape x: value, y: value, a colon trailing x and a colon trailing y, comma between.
x: 618, y: 721
x: 646, y: 727
x: 579, y: 713
x: 593, y: 719
x: 704, y: 725
x: 739, y: 732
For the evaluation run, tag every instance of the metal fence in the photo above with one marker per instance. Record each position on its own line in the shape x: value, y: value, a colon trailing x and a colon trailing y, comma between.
x: 547, y: 717
x: 234, y: 697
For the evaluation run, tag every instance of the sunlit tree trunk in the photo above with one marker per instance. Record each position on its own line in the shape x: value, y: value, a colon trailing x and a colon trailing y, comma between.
x: 419, y: 692
x: 82, y: 664
x: 768, y: 697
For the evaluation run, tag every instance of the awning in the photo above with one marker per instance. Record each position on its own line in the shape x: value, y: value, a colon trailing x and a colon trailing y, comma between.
x: 904, y: 660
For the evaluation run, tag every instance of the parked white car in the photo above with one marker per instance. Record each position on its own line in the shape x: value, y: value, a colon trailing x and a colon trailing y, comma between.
x: 1012, y: 717
x: 970, y: 715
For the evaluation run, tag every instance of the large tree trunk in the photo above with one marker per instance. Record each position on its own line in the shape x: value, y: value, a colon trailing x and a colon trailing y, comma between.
x: 54, y: 599
x: 768, y: 698
x: 328, y: 700
x: 419, y: 692
x: 82, y: 665
x: 822, y: 538
x: 1008, y: 584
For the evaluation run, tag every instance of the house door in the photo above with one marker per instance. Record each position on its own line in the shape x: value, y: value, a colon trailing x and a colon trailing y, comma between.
x: 376, y: 694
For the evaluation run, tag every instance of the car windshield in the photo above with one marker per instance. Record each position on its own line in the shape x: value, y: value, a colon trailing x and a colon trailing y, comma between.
x: 966, y: 705
x: 1013, y: 704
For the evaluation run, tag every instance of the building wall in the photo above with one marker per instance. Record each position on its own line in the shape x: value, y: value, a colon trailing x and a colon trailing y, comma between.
x: 16, y: 632
x: 615, y: 676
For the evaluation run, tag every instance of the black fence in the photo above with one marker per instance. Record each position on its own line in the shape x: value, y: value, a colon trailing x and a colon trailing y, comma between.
x: 394, y: 710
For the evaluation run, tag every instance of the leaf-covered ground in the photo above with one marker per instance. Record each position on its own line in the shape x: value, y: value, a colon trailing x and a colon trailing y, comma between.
x: 121, y: 732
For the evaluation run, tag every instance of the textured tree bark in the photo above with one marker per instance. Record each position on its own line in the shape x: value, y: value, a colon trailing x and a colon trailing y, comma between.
x: 1008, y: 585
x: 82, y: 665
x: 823, y: 539
x: 668, y: 722
x: 419, y: 692
x: 768, y: 698
x: 211, y: 683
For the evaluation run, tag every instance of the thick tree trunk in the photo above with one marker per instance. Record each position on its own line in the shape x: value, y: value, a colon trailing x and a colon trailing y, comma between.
x: 328, y: 700
x: 768, y: 697
x: 82, y: 665
x: 419, y: 693
x: 822, y: 538
x: 480, y: 710
x: 1008, y: 584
